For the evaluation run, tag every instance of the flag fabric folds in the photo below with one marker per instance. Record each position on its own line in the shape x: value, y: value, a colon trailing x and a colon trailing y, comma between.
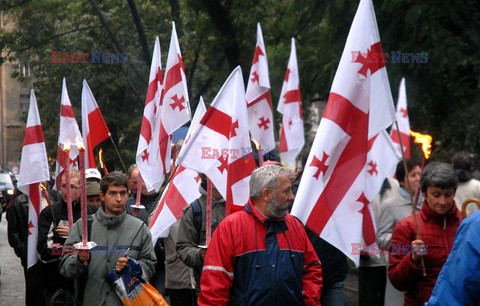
x: 292, y: 138
x: 69, y: 133
x: 333, y: 197
x: 403, y: 122
x: 94, y: 128
x: 220, y: 147
x: 259, y: 101
x: 148, y: 154
x: 174, y: 106
x: 382, y: 160
x: 181, y: 190
x: 34, y: 156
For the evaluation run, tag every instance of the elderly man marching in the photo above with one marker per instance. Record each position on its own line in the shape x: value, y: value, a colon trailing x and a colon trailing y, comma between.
x: 262, y: 255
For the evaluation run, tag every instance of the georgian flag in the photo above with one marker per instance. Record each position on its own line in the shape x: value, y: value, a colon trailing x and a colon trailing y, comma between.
x: 174, y: 104
x: 34, y: 156
x: 148, y: 154
x: 181, y: 190
x: 333, y: 197
x: 259, y: 101
x: 292, y: 138
x: 220, y: 147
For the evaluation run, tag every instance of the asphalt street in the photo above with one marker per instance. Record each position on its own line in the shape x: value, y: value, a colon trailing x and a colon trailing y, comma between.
x: 12, y: 282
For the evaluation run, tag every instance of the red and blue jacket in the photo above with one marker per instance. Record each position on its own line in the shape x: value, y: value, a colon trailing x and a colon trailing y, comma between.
x: 252, y: 260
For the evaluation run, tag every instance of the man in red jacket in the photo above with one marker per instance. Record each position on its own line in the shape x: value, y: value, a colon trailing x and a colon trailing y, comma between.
x: 437, y: 221
x: 262, y: 255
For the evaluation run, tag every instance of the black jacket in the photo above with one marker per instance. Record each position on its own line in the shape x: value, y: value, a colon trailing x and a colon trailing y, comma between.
x: 334, y: 262
x: 49, y: 219
x: 17, y: 217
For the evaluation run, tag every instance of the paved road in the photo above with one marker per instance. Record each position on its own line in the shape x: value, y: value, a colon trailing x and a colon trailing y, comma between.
x: 12, y: 282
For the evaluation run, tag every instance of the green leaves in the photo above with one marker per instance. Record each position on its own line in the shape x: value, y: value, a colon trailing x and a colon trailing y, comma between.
x: 443, y: 94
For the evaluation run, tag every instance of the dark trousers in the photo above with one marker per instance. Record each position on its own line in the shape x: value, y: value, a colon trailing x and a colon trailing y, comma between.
x: 33, y: 286
x: 182, y: 297
x: 371, y: 285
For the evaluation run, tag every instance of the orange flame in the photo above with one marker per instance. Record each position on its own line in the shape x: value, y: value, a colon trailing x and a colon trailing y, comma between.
x: 425, y: 140
x: 79, y: 142
x: 66, y: 145
x: 100, y: 157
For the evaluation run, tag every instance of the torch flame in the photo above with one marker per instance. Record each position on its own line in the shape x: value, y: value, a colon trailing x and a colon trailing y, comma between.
x: 100, y: 157
x: 66, y: 145
x: 79, y: 143
x: 425, y: 140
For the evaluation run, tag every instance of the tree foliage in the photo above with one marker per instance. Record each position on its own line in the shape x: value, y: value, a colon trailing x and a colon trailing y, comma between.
x: 217, y: 35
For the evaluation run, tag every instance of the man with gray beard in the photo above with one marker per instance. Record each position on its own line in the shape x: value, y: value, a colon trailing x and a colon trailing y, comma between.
x: 262, y: 255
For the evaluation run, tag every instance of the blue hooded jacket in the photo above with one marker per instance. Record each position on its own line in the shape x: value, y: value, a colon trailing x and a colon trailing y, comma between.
x: 459, y: 280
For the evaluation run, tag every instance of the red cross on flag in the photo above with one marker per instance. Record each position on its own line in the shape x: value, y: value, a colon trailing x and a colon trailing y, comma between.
x: 403, y: 122
x: 174, y: 103
x: 382, y: 160
x: 148, y: 153
x: 220, y: 147
x: 94, y: 128
x: 259, y: 101
x: 69, y: 132
x: 34, y: 156
x: 181, y: 190
x: 292, y: 137
x: 333, y: 196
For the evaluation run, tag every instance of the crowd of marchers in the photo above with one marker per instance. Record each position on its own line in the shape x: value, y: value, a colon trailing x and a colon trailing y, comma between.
x: 259, y: 255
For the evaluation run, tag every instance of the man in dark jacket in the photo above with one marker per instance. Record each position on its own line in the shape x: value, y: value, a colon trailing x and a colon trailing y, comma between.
x: 334, y: 270
x: 17, y: 217
x: 53, y: 230
x: 192, y: 228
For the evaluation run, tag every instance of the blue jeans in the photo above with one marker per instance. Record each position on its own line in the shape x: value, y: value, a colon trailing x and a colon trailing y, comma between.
x: 333, y: 295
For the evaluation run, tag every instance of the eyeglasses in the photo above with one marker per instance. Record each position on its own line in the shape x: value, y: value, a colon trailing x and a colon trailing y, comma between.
x: 64, y: 186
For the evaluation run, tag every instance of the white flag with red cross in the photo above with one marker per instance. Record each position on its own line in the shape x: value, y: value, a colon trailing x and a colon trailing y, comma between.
x: 174, y: 103
x: 292, y: 138
x: 94, y: 128
x: 181, y: 190
x: 259, y: 101
x: 382, y: 160
x: 34, y: 156
x: 403, y: 122
x: 331, y: 196
x: 220, y: 147
x: 148, y: 154
x: 69, y: 133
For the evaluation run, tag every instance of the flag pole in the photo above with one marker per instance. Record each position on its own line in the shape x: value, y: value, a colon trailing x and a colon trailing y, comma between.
x: 118, y: 153
x: 417, y: 192
x: 209, y: 213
